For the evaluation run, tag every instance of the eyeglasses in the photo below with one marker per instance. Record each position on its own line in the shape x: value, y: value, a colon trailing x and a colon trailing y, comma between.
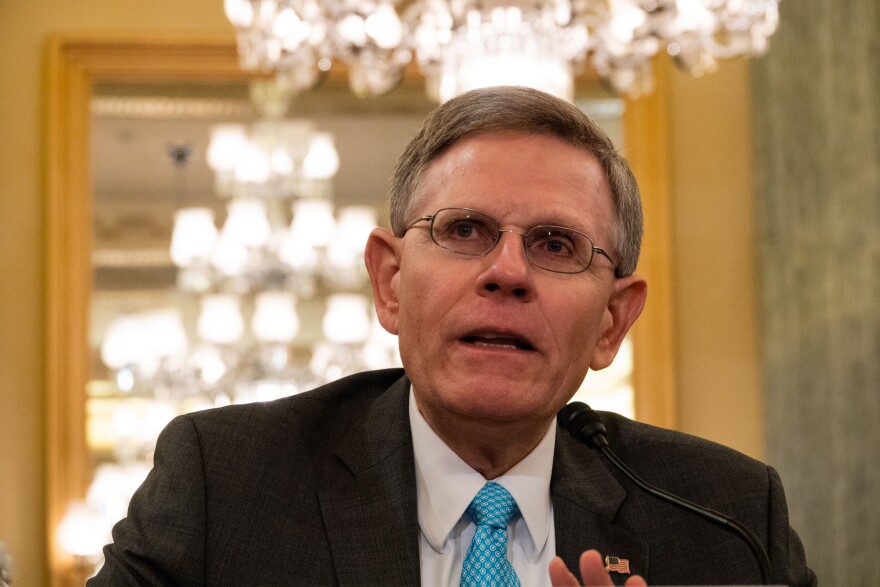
x: 554, y: 248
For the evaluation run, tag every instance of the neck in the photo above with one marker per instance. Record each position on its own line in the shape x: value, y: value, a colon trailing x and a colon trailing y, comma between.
x: 490, y: 448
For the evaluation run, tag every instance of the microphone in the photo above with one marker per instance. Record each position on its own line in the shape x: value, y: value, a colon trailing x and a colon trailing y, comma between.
x: 584, y: 424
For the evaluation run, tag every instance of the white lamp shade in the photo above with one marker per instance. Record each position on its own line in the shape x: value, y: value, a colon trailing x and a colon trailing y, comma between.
x: 247, y: 223
x: 313, y: 222
x: 83, y: 531
x: 193, y: 237
x: 227, y: 141
x: 299, y: 255
x: 165, y: 333
x: 124, y: 343
x: 229, y: 256
x: 347, y: 320
x: 275, y: 318
x: 208, y: 363
x: 322, y: 160
x: 353, y: 227
x: 220, y: 319
x: 113, y: 485
x: 293, y: 136
x: 254, y: 164
x: 381, y: 349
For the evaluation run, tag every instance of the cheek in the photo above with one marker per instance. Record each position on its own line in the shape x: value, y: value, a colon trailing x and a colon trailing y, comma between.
x: 583, y: 327
x: 424, y: 298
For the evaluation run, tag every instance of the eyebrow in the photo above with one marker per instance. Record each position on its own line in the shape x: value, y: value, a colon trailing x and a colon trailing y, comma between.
x: 555, y: 221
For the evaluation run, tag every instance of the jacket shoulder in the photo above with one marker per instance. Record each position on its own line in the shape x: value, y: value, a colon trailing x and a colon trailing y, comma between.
x: 312, y: 422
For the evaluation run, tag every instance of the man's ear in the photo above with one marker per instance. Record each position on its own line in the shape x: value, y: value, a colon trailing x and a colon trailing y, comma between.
x: 382, y: 258
x: 624, y: 306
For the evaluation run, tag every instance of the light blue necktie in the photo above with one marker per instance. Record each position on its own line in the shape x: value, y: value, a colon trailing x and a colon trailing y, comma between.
x: 486, y: 563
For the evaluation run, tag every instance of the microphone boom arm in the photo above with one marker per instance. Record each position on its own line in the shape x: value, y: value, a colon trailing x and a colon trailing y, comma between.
x: 585, y: 426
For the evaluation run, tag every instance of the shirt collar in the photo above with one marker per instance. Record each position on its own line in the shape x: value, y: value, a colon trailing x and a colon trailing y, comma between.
x: 446, y: 484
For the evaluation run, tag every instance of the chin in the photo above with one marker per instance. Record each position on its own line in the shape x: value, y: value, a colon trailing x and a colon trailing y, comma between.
x: 498, y: 404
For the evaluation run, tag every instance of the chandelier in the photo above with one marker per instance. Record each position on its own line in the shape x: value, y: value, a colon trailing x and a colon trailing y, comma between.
x: 232, y: 336
x: 460, y: 45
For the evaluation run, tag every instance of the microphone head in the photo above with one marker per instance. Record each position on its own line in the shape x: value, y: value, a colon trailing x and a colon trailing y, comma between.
x: 584, y: 424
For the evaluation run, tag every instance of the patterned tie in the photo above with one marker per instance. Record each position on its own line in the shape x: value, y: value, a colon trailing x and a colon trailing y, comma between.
x: 486, y: 563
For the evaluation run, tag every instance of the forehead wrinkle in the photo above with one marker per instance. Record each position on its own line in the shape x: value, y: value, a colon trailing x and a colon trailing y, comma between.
x: 443, y: 165
x: 463, y: 160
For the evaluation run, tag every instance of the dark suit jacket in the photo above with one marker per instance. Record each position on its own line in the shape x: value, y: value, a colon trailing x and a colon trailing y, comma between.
x: 320, y: 489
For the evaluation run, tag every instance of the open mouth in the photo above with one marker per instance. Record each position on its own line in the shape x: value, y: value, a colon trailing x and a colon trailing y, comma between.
x: 498, y: 341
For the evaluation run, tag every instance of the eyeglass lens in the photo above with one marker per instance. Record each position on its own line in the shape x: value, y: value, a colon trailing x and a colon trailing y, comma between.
x: 550, y: 247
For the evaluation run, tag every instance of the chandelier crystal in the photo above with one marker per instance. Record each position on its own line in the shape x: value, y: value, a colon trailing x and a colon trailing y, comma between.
x: 241, y: 285
x: 463, y: 44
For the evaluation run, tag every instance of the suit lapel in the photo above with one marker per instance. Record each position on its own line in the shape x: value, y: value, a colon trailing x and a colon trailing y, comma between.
x: 371, y: 516
x: 586, y: 498
x: 369, y: 502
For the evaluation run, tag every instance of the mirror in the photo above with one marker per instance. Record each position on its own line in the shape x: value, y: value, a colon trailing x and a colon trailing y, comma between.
x: 99, y: 243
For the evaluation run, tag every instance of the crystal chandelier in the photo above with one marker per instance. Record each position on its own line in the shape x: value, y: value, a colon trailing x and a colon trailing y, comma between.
x: 463, y: 44
x: 232, y: 336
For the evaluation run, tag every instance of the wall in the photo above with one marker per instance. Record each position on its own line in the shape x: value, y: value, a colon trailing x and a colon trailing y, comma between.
x: 709, y: 184
x: 24, y: 28
x: 714, y: 230
x: 817, y: 135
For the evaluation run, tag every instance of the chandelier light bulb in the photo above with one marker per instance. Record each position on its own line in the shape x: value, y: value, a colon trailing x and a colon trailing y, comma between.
x: 693, y: 15
x: 165, y: 333
x: 247, y: 222
x: 83, y: 531
x: 626, y: 17
x: 193, y: 236
x: 220, y: 320
x: 229, y: 256
x: 298, y: 254
x: 281, y: 162
x: 156, y: 415
x: 275, y: 319
x: 288, y: 25
x: 353, y: 228
x: 294, y: 137
x: 352, y: 29
x: 313, y: 222
x: 355, y: 225
x: 208, y: 364
x: 384, y: 26
x: 617, y: 37
x: 322, y: 160
x: 225, y: 146
x: 254, y: 164
x: 239, y: 12
x: 347, y: 320
x: 112, y: 487
x: 124, y: 343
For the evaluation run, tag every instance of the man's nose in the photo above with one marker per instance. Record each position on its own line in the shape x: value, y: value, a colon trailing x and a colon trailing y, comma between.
x: 506, y: 268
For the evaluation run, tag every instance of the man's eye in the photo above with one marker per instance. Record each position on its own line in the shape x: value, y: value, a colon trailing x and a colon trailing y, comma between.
x: 464, y: 229
x: 559, y: 245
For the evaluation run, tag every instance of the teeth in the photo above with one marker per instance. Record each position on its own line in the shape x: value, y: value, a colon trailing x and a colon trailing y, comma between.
x: 498, y: 341
x: 495, y: 344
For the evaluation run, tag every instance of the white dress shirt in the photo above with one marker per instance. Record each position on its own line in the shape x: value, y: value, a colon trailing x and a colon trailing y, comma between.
x: 446, y: 485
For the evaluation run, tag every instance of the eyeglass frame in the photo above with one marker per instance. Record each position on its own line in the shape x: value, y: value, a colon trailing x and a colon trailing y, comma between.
x: 525, y: 239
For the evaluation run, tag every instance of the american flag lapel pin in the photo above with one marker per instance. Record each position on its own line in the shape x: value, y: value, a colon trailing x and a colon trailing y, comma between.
x: 614, y: 564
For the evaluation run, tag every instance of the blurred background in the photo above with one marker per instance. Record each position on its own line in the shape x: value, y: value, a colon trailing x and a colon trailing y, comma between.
x: 764, y: 208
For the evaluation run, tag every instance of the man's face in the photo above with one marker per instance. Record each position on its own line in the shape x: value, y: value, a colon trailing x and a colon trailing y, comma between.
x: 492, y: 338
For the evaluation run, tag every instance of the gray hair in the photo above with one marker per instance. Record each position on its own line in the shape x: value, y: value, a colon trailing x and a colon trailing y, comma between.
x: 518, y: 109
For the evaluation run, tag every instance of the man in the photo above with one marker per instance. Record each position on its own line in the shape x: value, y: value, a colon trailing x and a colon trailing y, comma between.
x: 509, y: 274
